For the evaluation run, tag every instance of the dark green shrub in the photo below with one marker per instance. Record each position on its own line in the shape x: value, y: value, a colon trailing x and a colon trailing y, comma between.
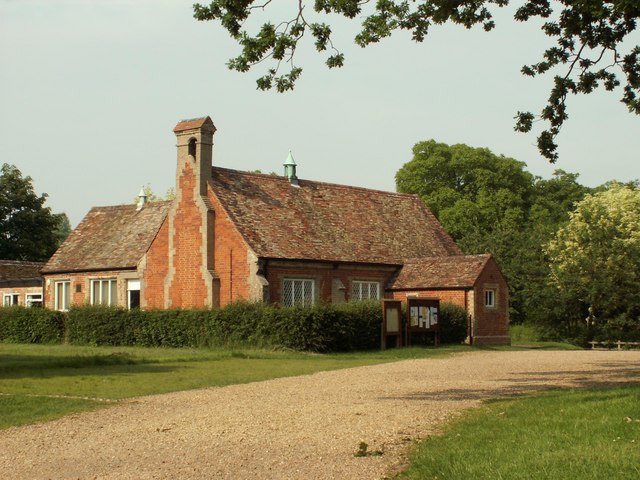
x: 240, y: 323
x: 99, y: 325
x: 169, y: 328
x: 623, y: 327
x: 322, y: 328
x: 363, y: 324
x: 327, y: 328
x: 310, y: 329
x: 31, y: 325
x: 453, y: 323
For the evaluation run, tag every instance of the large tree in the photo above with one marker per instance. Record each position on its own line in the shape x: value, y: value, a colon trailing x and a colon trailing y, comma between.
x: 490, y: 203
x: 28, y: 229
x: 588, y: 42
x: 476, y: 194
x: 553, y: 200
x: 595, y: 258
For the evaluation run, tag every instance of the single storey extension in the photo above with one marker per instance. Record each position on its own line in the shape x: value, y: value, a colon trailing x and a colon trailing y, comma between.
x: 20, y: 283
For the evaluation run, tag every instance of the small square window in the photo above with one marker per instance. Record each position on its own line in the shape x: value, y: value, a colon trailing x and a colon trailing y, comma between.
x: 10, y: 299
x: 490, y: 297
x: 33, y: 300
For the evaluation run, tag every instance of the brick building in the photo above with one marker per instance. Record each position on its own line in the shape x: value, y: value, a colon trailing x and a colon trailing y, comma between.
x: 20, y: 283
x: 230, y: 235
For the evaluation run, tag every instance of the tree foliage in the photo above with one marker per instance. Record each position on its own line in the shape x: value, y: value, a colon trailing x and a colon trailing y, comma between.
x: 28, y: 229
x: 595, y: 257
x: 588, y: 42
x: 490, y: 203
x: 63, y: 228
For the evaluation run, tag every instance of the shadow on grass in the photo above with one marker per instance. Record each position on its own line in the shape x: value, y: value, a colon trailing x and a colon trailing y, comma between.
x: 614, y: 374
x: 43, y: 366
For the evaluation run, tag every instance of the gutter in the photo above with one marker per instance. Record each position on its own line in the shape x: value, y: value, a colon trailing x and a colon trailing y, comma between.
x: 88, y: 270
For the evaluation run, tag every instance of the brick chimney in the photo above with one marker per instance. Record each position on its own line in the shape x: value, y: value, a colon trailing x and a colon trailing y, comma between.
x: 195, y: 147
x: 191, y: 281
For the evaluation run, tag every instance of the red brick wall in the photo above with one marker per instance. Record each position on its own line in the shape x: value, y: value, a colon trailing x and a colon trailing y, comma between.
x: 77, y: 298
x: 230, y: 257
x: 156, y: 268
x: 324, y: 275
x: 491, y: 322
x: 187, y: 288
x: 457, y: 297
x: 81, y: 285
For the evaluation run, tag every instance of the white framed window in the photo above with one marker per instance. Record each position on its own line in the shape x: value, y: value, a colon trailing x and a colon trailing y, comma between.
x: 33, y: 300
x: 103, y: 292
x: 62, y: 295
x: 298, y: 292
x: 10, y: 299
x: 365, y: 290
x: 490, y: 297
x: 133, y: 294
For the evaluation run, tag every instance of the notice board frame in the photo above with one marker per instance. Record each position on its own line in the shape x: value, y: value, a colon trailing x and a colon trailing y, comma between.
x: 388, y: 327
x: 426, y: 321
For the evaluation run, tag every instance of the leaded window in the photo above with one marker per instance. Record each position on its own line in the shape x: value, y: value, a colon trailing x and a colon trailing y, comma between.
x: 365, y: 290
x: 298, y: 292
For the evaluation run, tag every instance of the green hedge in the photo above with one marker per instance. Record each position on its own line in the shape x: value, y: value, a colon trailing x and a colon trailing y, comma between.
x: 343, y: 327
x: 31, y: 325
x: 323, y: 328
x: 168, y: 328
x: 99, y: 325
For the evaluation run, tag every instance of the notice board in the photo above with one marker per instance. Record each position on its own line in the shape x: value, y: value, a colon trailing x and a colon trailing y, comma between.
x: 423, y: 317
x: 391, y: 323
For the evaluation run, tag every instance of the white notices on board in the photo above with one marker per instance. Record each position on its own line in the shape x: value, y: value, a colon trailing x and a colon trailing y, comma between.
x: 424, y: 317
x: 434, y: 315
x: 414, y: 316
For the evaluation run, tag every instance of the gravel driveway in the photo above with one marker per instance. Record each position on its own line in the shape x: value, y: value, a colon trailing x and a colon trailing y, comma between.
x: 306, y: 427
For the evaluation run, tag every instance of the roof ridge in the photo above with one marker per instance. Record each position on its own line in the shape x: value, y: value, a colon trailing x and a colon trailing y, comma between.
x: 130, y: 205
x: 457, y: 256
x: 21, y: 262
x: 316, y: 182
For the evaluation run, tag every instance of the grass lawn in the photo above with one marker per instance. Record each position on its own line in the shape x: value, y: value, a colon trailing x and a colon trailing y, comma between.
x: 575, y: 434
x: 42, y: 382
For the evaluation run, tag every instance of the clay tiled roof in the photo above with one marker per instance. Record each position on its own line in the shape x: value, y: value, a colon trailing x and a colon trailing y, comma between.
x: 193, y: 124
x: 322, y: 221
x: 12, y: 271
x: 450, y: 272
x: 109, y: 238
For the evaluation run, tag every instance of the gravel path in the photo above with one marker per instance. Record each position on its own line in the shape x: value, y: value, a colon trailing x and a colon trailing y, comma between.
x: 304, y: 427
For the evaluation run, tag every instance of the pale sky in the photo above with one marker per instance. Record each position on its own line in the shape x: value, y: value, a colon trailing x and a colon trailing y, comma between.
x: 91, y: 90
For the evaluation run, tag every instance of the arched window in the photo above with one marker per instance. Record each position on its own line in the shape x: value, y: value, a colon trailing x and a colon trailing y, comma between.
x: 192, y: 147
